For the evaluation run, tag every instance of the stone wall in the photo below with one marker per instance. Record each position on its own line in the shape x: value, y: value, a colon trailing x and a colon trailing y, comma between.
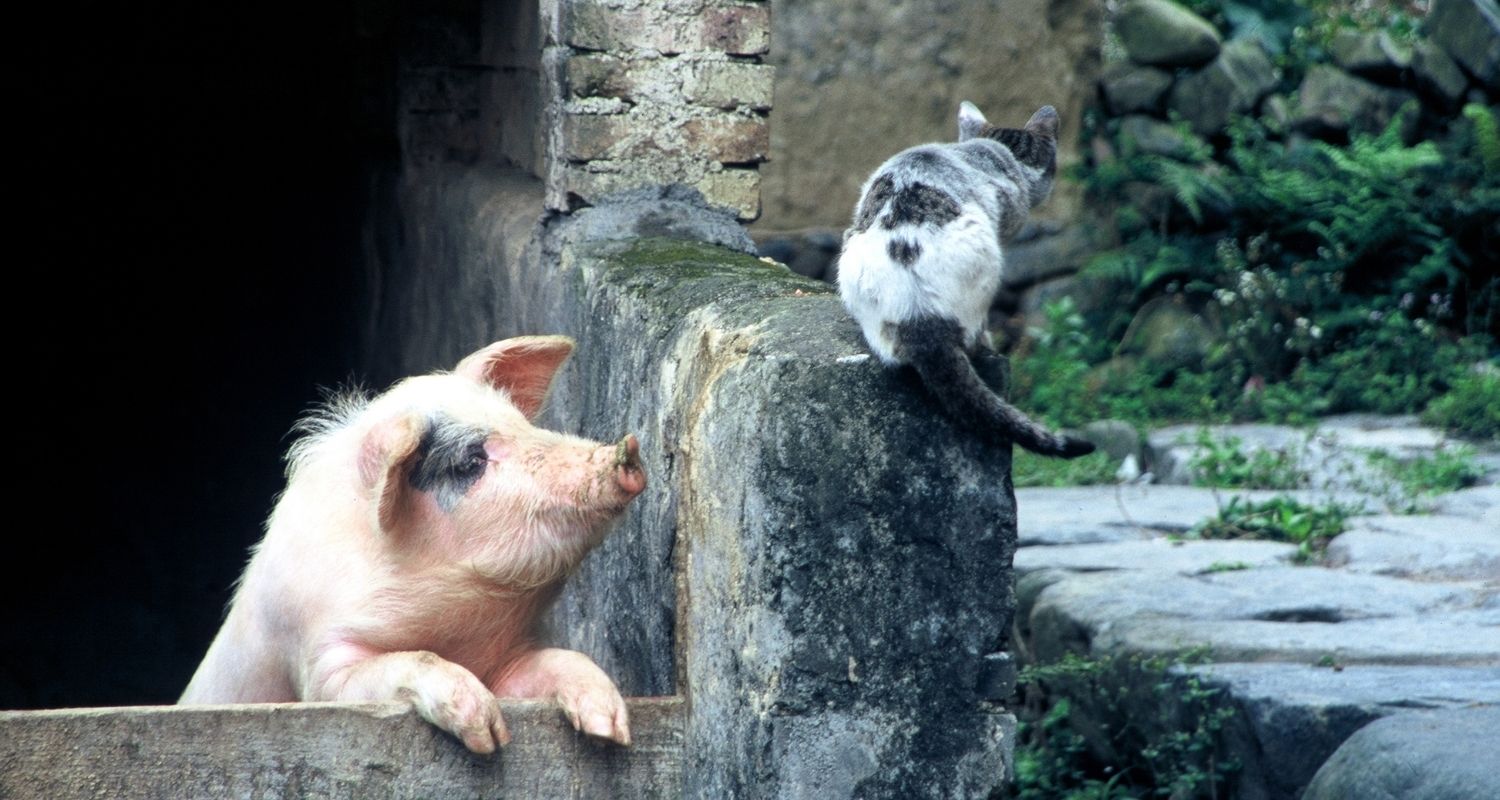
x: 858, y: 81
x: 821, y: 565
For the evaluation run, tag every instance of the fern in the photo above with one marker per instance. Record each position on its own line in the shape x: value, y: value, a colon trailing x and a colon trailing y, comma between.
x: 1486, y: 134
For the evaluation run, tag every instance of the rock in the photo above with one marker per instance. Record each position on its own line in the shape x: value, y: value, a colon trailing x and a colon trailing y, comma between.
x: 1145, y: 134
x: 1426, y: 546
x: 1168, y: 335
x: 1129, y: 88
x: 849, y: 93
x: 1090, y: 514
x: 1470, y: 31
x: 1463, y: 638
x: 1116, y: 437
x: 1297, y: 614
x: 1434, y: 755
x: 1476, y: 502
x: 1291, y: 717
x: 808, y: 253
x: 1232, y: 84
x: 1162, y: 33
x: 1045, y: 256
x: 1371, y: 54
x: 1331, y: 101
x: 1164, y: 555
x: 1438, y: 76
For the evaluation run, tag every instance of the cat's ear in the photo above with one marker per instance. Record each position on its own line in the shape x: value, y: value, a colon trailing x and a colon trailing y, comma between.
x: 1044, y: 122
x: 971, y: 122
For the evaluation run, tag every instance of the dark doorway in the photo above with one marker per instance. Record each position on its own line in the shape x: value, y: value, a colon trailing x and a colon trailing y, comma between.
x: 191, y: 184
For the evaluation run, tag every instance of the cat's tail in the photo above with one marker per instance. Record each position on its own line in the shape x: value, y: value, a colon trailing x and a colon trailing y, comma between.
x: 934, y: 345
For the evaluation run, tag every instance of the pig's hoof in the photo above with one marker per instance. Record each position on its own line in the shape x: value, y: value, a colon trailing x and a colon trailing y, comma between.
x: 597, y: 711
x: 451, y: 698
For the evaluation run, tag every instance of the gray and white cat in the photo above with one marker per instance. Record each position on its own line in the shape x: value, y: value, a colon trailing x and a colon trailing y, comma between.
x: 922, y: 262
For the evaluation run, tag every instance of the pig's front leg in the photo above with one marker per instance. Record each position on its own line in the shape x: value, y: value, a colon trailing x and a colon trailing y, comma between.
x: 588, y: 697
x: 444, y: 693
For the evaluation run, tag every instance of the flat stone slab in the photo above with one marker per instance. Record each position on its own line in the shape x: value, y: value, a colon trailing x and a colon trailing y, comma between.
x: 1093, y: 514
x: 1434, y: 755
x: 1296, y: 614
x: 1470, y: 638
x: 1425, y: 547
x: 1476, y: 502
x: 1335, y: 454
x: 1291, y: 717
x: 1185, y: 557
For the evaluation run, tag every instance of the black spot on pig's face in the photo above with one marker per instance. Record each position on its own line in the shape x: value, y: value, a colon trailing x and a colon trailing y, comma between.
x: 450, y: 460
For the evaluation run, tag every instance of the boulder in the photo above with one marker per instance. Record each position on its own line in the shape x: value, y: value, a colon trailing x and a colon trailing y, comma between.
x: 1291, y: 717
x: 1470, y: 31
x: 1130, y: 88
x: 1116, y: 437
x: 1145, y: 134
x: 1232, y: 84
x: 1045, y: 256
x: 1438, y: 75
x: 1332, y: 102
x: 1434, y: 755
x: 1371, y: 54
x: 1163, y: 33
x: 1168, y: 335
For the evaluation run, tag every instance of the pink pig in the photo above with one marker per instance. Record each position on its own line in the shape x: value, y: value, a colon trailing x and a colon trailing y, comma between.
x: 420, y: 536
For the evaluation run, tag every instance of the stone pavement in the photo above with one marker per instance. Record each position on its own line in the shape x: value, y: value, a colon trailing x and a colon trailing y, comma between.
x: 1402, y: 616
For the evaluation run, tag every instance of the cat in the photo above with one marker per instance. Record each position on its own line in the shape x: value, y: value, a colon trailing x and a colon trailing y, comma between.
x: 922, y: 261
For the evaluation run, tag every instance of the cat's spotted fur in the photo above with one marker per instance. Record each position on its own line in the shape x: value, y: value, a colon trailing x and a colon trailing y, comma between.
x: 922, y: 261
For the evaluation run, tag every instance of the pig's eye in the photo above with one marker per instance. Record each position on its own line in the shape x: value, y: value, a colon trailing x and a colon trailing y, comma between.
x: 473, y: 462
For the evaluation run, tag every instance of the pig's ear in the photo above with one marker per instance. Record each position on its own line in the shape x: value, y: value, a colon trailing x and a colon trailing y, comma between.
x: 386, y: 457
x: 523, y: 367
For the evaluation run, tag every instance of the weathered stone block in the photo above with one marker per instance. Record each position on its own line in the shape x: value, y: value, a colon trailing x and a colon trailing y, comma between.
x: 599, y: 75
x: 589, y: 137
x: 1470, y: 31
x: 1371, y: 54
x: 1437, y: 74
x: 1129, y: 88
x: 739, y: 30
x: 728, y: 140
x: 737, y: 189
x: 1143, y: 134
x: 1233, y: 83
x: 1333, y: 100
x: 1162, y: 33
x: 729, y: 85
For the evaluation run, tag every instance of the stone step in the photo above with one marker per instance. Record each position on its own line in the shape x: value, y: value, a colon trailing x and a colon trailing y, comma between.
x: 332, y: 750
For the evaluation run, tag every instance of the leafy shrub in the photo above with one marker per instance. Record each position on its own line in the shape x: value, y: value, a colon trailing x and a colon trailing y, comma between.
x: 1159, y: 737
x: 1471, y: 407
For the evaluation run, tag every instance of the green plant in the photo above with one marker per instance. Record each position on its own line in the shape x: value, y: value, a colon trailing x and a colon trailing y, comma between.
x: 1280, y: 519
x: 1029, y: 469
x: 1120, y: 727
x: 1226, y: 566
x: 1223, y: 463
x: 1447, y: 469
x: 1471, y: 407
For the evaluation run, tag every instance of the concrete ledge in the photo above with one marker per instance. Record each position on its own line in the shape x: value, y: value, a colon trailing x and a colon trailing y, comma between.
x: 328, y: 750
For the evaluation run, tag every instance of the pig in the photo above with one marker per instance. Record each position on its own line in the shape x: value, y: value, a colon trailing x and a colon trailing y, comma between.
x: 420, y: 536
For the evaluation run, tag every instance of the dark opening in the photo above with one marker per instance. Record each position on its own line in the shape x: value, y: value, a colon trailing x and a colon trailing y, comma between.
x: 190, y: 191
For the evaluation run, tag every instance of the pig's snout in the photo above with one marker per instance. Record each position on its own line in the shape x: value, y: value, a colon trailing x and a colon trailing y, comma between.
x: 629, y: 474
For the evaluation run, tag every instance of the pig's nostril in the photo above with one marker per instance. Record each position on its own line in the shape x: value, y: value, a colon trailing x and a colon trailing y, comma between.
x: 631, y: 478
